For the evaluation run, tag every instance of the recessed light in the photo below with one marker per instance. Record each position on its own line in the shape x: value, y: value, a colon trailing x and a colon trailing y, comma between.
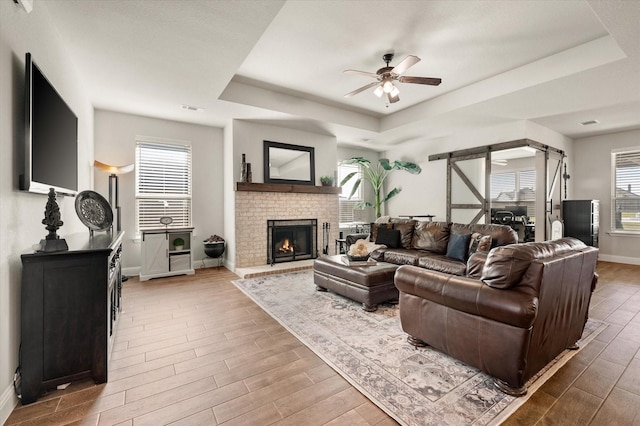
x: 589, y: 122
x: 191, y: 108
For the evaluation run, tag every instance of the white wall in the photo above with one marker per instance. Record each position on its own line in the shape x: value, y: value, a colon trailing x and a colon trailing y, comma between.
x: 248, y: 139
x: 344, y: 153
x: 591, y: 179
x: 21, y: 213
x: 426, y: 193
x: 115, y: 144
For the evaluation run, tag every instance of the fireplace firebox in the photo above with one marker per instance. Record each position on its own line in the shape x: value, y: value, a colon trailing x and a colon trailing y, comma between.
x: 292, y: 239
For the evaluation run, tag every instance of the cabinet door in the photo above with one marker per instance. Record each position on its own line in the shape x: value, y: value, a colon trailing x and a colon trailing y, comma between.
x: 155, y: 254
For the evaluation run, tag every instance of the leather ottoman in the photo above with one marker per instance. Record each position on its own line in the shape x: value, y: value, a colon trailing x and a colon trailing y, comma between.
x: 368, y: 285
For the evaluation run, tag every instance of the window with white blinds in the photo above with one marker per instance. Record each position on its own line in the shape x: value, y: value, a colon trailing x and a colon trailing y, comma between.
x: 163, y: 183
x: 348, y: 212
x: 625, y: 196
x: 514, y: 188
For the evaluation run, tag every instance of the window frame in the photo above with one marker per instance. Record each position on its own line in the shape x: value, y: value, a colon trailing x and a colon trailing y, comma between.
x: 614, y: 198
x: 343, y: 200
x: 165, y: 198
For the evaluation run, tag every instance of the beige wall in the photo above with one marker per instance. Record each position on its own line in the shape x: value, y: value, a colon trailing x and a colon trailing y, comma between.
x: 426, y: 192
x: 591, y: 179
x: 247, y: 137
x: 115, y: 142
x: 345, y: 153
x: 21, y: 213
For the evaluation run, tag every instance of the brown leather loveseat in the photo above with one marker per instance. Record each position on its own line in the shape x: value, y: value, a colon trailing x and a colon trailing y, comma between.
x: 527, y: 304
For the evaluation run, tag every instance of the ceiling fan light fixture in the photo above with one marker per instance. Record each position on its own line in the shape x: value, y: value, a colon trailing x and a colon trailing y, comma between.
x: 387, y: 86
x: 379, y: 91
x: 394, y: 92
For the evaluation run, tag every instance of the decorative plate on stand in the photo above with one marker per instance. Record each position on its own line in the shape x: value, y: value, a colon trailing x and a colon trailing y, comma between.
x: 94, y: 211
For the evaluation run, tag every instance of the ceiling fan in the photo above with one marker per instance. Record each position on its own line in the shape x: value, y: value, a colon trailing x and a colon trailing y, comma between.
x: 385, y: 77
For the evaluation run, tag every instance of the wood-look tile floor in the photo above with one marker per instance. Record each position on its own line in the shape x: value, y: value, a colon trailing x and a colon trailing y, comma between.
x: 194, y: 350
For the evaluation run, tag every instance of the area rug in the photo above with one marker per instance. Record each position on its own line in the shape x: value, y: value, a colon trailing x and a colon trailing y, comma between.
x: 415, y: 386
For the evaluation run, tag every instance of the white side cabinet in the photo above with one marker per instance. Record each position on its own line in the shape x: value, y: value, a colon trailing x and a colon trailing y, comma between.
x: 166, y: 252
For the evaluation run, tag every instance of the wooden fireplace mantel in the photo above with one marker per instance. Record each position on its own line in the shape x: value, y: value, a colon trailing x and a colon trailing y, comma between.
x: 280, y: 187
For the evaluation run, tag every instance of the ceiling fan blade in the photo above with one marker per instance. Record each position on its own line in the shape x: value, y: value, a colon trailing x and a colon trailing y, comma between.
x: 420, y: 80
x: 362, y: 89
x: 407, y: 62
x: 365, y: 73
x: 393, y: 99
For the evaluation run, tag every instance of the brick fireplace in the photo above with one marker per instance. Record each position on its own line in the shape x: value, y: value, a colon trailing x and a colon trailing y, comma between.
x: 256, y: 203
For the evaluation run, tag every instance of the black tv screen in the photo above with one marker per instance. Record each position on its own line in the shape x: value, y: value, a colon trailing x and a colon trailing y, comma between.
x: 51, y: 130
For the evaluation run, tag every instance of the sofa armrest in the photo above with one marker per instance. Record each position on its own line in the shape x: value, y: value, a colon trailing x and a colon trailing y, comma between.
x: 468, y: 295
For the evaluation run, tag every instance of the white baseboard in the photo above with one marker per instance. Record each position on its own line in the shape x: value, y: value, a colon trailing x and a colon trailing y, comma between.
x: 207, y: 262
x: 129, y: 272
x: 619, y: 259
x: 8, y: 401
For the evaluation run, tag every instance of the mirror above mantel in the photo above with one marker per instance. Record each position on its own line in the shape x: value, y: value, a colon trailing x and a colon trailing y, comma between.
x: 288, y: 164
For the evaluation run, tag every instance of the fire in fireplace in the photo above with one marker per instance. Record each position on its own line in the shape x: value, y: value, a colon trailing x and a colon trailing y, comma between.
x: 290, y: 240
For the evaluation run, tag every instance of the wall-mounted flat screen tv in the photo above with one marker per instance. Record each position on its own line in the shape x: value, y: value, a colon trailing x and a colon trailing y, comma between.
x: 51, y: 137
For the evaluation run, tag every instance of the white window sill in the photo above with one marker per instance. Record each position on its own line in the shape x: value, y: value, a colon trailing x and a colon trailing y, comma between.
x: 624, y: 233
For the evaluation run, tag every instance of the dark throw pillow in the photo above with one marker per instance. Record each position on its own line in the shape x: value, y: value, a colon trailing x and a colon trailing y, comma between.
x: 458, y: 247
x: 373, y: 236
x: 388, y: 237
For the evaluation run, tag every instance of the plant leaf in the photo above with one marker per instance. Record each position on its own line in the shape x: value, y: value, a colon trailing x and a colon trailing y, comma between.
x: 347, y: 178
x: 355, y: 188
x: 391, y: 194
x: 362, y: 205
x: 357, y: 160
x: 384, y: 162
x: 412, y: 168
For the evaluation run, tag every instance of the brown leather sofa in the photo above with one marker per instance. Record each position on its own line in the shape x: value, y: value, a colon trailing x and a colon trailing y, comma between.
x: 527, y: 304
x: 428, y: 244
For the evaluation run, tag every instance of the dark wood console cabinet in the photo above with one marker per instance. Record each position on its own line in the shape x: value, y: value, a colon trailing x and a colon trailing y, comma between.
x: 70, y: 302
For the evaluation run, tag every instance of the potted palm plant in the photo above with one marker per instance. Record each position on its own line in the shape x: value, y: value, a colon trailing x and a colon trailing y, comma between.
x: 376, y: 175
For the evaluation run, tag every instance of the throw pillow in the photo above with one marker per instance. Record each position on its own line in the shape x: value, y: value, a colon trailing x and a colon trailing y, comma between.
x: 458, y: 246
x: 388, y: 237
x: 373, y: 236
x: 479, y: 243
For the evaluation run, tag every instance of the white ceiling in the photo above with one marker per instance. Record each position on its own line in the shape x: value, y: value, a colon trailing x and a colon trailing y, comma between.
x: 557, y: 63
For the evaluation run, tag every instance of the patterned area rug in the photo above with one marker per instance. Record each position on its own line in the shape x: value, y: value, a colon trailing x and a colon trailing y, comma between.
x: 370, y: 350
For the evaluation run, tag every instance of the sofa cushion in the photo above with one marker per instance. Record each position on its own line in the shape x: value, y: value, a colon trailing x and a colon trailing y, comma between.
x: 431, y: 236
x: 402, y: 256
x: 442, y: 263
x: 388, y: 237
x: 378, y: 254
x: 458, y: 246
x: 406, y: 232
x: 479, y: 243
